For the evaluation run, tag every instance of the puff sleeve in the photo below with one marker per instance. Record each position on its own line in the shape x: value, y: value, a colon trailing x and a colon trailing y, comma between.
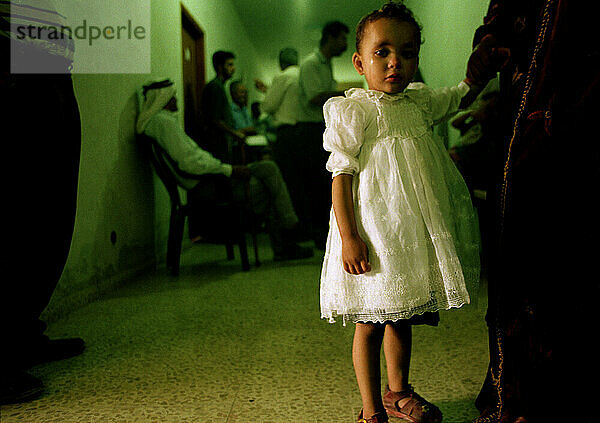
x: 438, y: 104
x: 344, y: 134
x: 446, y: 101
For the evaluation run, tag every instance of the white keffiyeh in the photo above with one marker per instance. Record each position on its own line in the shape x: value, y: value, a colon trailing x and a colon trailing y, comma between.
x: 152, y: 98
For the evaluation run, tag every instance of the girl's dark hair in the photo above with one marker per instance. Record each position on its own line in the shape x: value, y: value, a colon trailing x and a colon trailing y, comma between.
x: 390, y: 10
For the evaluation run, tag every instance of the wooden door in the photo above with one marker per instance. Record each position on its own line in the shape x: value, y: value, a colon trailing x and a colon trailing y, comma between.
x: 192, y: 50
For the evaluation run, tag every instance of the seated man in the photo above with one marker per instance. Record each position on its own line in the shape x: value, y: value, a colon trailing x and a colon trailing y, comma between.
x: 239, y: 108
x: 255, y: 144
x: 268, y: 193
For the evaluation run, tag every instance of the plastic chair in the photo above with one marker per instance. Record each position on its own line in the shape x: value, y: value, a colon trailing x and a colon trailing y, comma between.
x: 174, y: 178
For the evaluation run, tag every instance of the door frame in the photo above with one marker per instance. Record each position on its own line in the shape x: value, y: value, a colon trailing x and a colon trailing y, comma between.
x: 188, y: 23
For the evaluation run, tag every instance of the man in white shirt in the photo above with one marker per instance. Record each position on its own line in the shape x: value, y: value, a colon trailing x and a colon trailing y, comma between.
x: 282, y: 102
x: 268, y: 192
x: 282, y: 98
x: 317, y: 85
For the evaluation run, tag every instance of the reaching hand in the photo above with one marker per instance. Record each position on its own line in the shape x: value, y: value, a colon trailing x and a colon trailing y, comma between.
x: 355, y: 256
x: 486, y: 60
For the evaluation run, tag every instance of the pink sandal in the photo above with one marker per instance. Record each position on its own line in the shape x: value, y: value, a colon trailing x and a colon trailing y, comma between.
x: 379, y: 417
x: 415, y: 410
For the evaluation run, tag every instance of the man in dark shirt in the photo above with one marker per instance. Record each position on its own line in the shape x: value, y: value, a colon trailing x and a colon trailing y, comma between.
x: 216, y: 111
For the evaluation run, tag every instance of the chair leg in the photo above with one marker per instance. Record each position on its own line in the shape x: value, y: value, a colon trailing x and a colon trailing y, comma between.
x: 243, y: 248
x: 255, y: 242
x: 176, y: 227
x: 229, y: 247
x: 244, y: 252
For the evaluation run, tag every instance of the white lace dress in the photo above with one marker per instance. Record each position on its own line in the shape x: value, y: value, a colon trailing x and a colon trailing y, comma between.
x: 412, y: 207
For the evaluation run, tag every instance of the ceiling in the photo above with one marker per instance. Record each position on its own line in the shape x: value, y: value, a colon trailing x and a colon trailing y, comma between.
x: 298, y: 23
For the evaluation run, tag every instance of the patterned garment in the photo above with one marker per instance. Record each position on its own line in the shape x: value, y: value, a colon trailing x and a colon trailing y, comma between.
x: 543, y: 280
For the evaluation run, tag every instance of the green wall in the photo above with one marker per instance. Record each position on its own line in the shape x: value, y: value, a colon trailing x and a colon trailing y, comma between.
x: 118, y: 191
x: 448, y: 27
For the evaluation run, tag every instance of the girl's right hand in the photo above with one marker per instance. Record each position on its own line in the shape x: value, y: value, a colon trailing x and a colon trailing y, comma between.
x: 355, y: 256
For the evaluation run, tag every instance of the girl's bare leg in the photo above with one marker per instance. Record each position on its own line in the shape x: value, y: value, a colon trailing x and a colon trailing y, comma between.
x: 397, y: 346
x: 366, y: 351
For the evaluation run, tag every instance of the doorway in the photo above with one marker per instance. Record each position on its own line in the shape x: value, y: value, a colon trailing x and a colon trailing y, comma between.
x: 194, y: 73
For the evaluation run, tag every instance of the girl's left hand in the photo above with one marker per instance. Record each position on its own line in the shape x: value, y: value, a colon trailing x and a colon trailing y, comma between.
x: 355, y: 256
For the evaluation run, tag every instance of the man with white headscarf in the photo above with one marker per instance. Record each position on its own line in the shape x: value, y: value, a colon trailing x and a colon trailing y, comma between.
x: 269, y: 196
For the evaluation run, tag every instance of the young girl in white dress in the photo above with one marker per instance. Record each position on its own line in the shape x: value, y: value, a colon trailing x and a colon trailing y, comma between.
x: 403, y: 240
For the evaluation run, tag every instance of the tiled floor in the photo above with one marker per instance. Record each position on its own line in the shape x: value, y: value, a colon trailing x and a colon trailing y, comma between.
x: 220, y: 345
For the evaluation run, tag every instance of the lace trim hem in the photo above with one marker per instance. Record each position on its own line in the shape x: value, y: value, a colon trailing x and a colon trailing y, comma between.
x: 382, y: 316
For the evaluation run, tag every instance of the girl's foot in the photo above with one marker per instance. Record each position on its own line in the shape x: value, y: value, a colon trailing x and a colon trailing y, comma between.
x: 410, y: 406
x: 379, y: 417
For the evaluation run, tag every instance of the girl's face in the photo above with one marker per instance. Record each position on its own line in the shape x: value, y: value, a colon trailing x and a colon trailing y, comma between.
x: 388, y: 56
